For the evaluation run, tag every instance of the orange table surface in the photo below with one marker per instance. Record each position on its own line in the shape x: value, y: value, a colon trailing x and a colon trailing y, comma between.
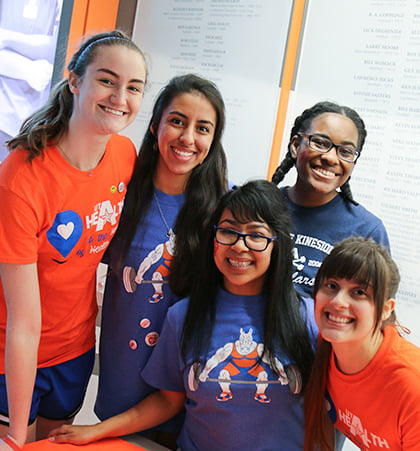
x: 115, y: 444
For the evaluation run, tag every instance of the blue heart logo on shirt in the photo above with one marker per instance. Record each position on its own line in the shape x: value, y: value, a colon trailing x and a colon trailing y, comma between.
x: 65, y: 232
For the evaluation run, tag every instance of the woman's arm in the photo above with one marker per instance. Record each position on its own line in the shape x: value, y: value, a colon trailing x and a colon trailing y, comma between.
x: 155, y: 409
x: 21, y: 291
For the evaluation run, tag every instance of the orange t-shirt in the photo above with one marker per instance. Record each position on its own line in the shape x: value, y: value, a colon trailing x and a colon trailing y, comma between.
x: 62, y: 219
x: 379, y: 407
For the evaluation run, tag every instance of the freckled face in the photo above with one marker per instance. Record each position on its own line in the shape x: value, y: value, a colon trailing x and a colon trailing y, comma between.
x: 107, y: 98
x: 320, y: 174
x: 184, y: 135
x: 243, y: 269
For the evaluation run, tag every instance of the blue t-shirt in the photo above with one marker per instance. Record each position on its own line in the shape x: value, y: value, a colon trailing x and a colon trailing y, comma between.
x: 134, y: 308
x: 231, y: 403
x: 316, y: 230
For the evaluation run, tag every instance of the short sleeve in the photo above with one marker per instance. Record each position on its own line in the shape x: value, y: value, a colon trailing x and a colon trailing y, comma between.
x: 18, y: 229
x: 380, y: 235
x: 164, y: 368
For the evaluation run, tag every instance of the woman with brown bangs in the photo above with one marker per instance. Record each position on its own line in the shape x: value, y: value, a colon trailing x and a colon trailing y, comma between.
x: 365, y: 372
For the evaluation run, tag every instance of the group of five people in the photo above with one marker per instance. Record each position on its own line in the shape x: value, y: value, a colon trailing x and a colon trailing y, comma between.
x: 209, y: 331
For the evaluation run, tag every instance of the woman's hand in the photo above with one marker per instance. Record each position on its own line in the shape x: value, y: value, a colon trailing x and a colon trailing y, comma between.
x: 76, y: 435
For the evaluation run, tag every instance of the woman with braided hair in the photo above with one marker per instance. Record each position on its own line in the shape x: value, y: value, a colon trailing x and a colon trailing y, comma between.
x: 62, y: 188
x: 326, y: 141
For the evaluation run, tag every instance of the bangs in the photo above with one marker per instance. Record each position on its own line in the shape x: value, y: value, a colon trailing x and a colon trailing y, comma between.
x: 357, y: 260
x: 352, y: 266
x: 259, y: 201
x: 243, y: 214
x: 365, y: 262
x: 249, y: 208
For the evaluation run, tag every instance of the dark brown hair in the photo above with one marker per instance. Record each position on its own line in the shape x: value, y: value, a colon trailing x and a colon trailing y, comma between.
x: 368, y: 263
x: 206, y: 184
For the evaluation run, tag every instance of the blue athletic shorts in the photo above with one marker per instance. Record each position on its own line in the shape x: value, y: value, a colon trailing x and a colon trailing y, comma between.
x: 59, y: 390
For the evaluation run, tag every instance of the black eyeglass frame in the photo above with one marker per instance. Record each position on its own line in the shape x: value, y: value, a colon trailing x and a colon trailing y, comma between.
x: 239, y: 235
x: 332, y: 145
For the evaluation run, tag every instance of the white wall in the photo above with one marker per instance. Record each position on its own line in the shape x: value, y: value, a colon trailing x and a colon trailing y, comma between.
x: 366, y: 54
x: 239, y: 45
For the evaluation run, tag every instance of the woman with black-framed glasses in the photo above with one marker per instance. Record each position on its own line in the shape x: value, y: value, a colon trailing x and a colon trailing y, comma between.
x: 325, y: 144
x: 238, y: 352
x: 253, y: 241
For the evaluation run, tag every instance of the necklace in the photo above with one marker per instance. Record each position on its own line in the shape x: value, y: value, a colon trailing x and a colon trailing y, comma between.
x: 168, y: 233
x: 75, y: 165
x: 66, y: 157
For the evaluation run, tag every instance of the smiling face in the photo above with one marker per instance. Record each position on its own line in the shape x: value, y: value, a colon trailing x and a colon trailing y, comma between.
x: 108, y: 96
x: 345, y: 313
x: 243, y: 269
x: 320, y: 174
x: 344, y: 310
x: 185, y: 134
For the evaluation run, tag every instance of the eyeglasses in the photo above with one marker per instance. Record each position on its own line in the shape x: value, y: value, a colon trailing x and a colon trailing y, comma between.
x: 324, y: 145
x: 253, y: 241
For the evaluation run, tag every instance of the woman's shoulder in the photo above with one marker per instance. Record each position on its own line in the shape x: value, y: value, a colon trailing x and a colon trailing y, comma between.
x: 117, y: 139
x: 15, y: 162
x: 21, y: 175
x: 175, y: 316
x: 179, y: 309
x: 356, y: 217
x: 121, y: 144
x: 122, y: 151
x: 365, y: 223
x: 400, y: 356
x: 360, y: 210
x: 403, y: 346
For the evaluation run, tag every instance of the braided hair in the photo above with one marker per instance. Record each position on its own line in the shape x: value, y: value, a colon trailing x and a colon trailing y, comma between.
x: 303, y: 123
